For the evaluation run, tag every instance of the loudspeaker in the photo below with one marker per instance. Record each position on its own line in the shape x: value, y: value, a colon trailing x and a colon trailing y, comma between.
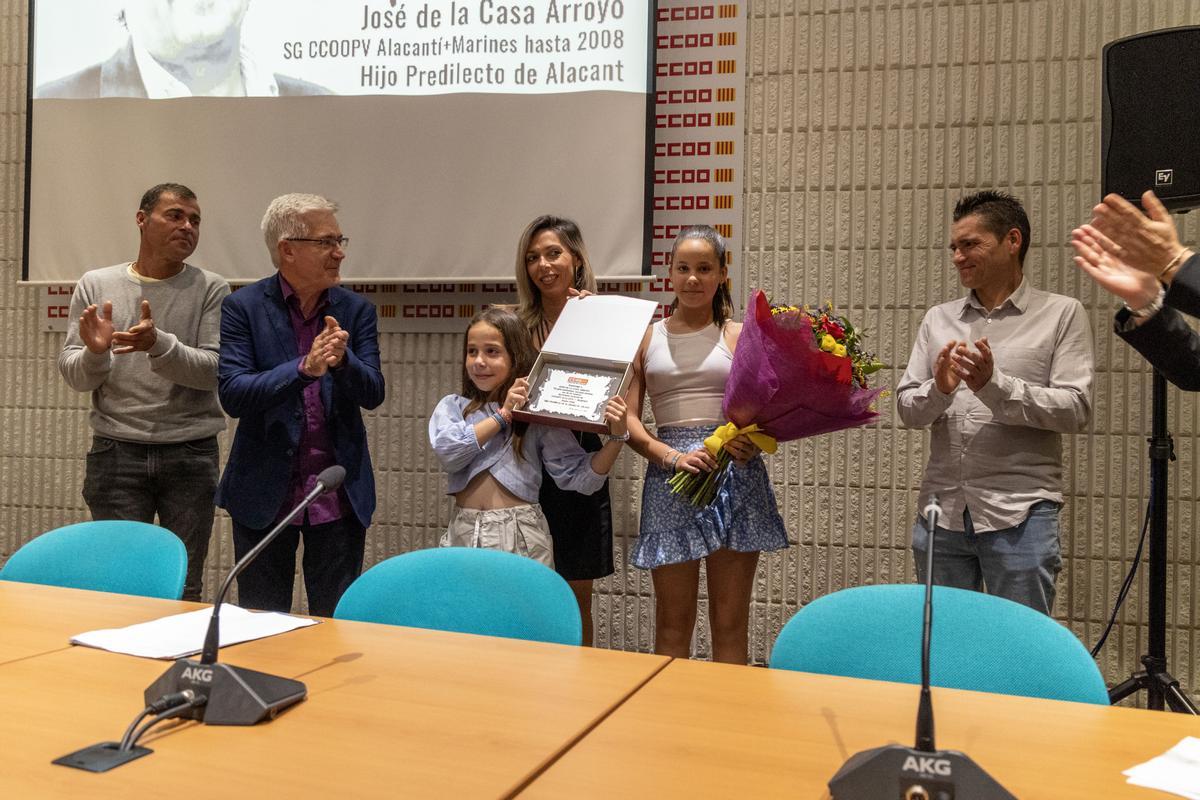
x: 1150, y: 132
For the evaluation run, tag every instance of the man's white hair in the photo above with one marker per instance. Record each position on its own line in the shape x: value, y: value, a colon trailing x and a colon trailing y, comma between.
x: 285, y: 219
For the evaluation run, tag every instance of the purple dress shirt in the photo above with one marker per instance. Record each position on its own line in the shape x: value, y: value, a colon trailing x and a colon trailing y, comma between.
x: 315, y: 450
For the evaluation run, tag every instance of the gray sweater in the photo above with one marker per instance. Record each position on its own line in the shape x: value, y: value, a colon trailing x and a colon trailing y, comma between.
x: 168, y: 393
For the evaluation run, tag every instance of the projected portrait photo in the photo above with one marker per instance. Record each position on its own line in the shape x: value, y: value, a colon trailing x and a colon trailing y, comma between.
x: 178, y: 48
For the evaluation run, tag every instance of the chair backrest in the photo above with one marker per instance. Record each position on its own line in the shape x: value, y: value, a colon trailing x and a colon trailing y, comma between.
x: 106, y: 555
x: 467, y: 590
x: 979, y: 642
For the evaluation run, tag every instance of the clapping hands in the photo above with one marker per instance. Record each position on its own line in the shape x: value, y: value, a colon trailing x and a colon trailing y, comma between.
x: 98, y: 334
x: 957, y: 363
x: 328, y: 349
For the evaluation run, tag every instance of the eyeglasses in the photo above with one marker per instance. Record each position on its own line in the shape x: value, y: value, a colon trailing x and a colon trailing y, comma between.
x: 329, y: 242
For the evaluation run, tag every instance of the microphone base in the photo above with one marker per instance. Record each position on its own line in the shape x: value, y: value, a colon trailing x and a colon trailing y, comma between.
x: 235, y: 696
x: 101, y: 757
x: 895, y: 771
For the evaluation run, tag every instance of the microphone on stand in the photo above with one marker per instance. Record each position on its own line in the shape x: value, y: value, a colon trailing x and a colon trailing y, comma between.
x: 235, y: 695
x: 922, y: 772
x: 933, y: 515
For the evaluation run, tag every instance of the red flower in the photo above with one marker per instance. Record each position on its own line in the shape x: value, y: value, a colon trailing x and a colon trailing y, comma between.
x: 833, y: 329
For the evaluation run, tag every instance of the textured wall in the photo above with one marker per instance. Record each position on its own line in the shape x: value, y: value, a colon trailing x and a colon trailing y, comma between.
x: 865, y: 121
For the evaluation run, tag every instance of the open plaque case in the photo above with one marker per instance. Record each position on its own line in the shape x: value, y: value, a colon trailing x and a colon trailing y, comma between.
x: 586, y: 359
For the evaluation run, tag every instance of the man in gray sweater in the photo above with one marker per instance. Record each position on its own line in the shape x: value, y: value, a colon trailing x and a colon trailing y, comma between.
x: 143, y: 339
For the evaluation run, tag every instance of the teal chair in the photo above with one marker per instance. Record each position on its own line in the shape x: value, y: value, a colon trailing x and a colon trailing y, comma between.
x: 107, y: 556
x: 466, y: 590
x: 980, y: 642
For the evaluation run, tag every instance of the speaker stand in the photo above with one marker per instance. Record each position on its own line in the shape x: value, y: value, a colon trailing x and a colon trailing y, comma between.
x: 1161, y: 688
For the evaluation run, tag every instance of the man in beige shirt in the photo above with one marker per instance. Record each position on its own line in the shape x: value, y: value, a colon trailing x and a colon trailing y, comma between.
x: 998, y: 375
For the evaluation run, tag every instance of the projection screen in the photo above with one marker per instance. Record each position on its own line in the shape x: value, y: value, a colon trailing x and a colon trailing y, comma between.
x: 441, y: 128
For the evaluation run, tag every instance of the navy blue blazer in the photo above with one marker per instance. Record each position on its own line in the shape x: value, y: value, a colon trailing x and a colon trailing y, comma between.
x: 260, y: 385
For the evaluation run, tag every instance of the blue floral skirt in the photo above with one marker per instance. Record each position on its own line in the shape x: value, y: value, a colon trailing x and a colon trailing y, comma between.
x: 743, y: 517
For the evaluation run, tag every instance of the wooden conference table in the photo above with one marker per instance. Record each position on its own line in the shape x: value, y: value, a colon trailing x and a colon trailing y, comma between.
x: 400, y: 712
x: 702, y: 730
x: 391, y: 712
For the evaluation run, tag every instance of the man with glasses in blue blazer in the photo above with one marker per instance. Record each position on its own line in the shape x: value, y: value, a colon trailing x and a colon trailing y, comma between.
x: 299, y: 361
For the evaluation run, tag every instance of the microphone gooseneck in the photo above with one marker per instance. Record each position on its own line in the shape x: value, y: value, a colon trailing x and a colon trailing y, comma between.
x: 925, y: 736
x: 922, y: 771
x: 328, y: 481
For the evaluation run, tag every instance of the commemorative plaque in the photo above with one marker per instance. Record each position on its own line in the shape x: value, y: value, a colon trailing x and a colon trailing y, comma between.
x: 586, y: 359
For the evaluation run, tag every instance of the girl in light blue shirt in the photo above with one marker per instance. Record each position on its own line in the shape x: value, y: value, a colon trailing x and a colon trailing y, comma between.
x: 495, y: 465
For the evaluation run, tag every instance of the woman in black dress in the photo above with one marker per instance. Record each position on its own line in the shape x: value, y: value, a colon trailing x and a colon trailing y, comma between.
x: 552, y: 266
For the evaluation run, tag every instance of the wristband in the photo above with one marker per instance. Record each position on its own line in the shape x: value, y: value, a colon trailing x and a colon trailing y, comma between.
x: 1151, y: 308
x: 500, y: 420
x: 613, y: 437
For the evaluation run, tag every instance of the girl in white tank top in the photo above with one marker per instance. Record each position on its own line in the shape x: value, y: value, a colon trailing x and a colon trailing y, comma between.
x: 683, y: 365
x: 686, y: 374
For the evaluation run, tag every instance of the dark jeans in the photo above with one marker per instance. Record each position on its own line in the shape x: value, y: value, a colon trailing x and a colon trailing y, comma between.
x: 333, y: 556
x: 131, y: 480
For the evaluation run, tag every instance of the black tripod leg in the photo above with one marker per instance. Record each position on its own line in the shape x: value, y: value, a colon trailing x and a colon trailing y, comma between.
x: 1159, y: 684
x: 1135, y: 683
x: 1176, y: 698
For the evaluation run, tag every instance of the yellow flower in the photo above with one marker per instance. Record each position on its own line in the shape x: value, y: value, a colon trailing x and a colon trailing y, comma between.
x: 828, y: 343
x: 839, y: 350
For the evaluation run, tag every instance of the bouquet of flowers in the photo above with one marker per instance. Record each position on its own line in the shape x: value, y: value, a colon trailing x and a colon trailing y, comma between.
x: 796, y: 373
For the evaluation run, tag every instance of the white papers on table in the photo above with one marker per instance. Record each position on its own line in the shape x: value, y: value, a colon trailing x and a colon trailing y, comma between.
x: 1176, y: 771
x: 182, y: 635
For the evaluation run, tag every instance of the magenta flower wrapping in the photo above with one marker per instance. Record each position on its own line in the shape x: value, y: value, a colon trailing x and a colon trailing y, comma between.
x: 781, y: 380
x: 788, y: 385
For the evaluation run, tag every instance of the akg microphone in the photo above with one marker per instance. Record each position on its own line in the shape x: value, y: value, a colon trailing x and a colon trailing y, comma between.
x: 922, y: 772
x: 238, y: 696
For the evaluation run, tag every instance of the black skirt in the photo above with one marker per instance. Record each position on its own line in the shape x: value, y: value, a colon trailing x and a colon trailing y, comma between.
x: 580, y: 525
